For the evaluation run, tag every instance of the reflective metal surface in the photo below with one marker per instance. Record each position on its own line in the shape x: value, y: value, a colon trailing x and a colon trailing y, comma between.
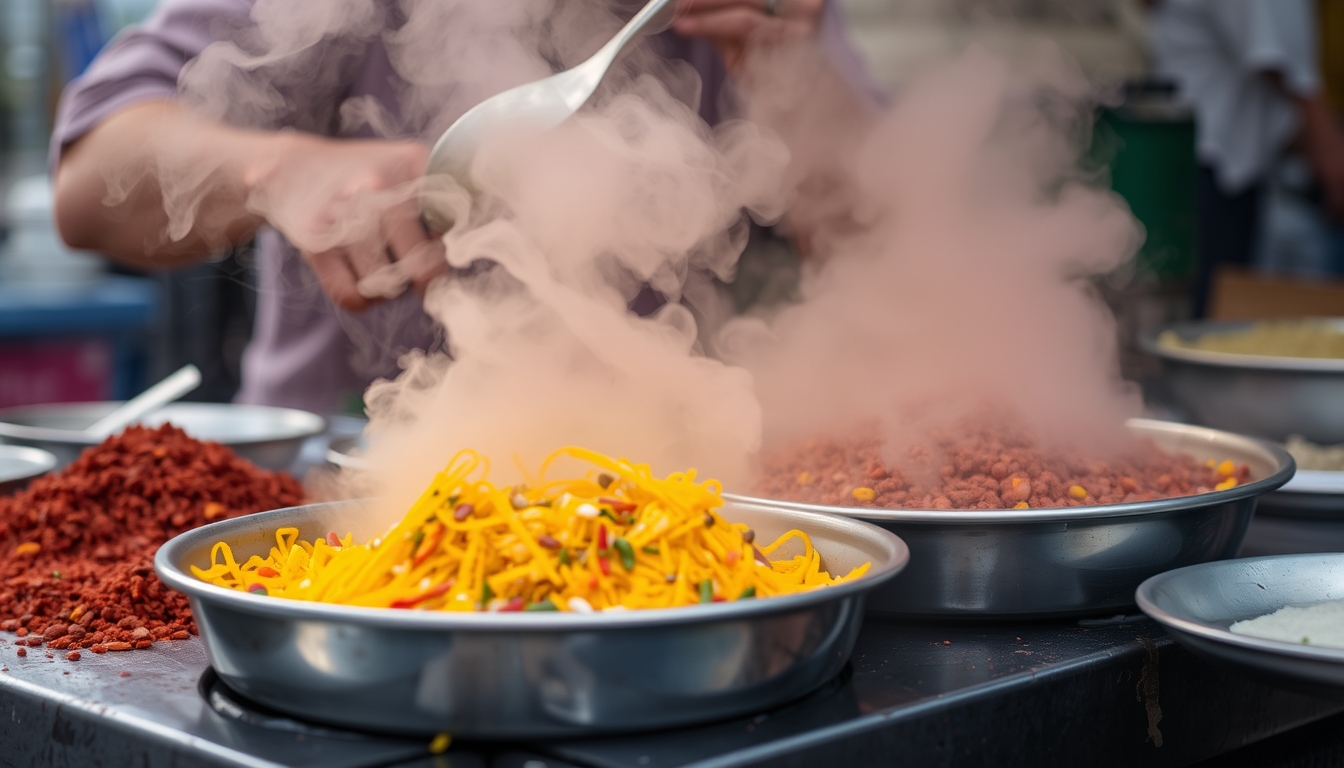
x: 1197, y: 604
x: 1269, y: 397
x: 1070, y: 561
x: 347, y: 452
x: 268, y: 437
x: 19, y: 464
x: 506, y: 675
x: 1311, y: 493
x: 540, y: 105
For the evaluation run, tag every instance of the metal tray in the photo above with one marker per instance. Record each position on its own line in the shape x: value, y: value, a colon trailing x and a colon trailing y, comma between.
x: 19, y: 465
x: 1260, y: 395
x: 524, y: 675
x: 268, y: 437
x: 1311, y: 493
x: 1197, y: 604
x: 1036, y: 563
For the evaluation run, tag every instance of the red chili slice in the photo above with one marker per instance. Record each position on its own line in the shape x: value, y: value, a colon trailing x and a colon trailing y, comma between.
x: 617, y: 505
x: 602, y: 538
x: 514, y: 604
x: 433, y: 592
x: 427, y: 546
x: 268, y: 572
x: 605, y: 565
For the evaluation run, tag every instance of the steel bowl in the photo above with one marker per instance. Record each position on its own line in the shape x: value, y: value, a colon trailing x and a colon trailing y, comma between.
x: 20, y: 464
x: 1198, y: 603
x: 1036, y: 563
x: 1259, y: 395
x: 347, y: 452
x: 525, y: 675
x: 268, y: 437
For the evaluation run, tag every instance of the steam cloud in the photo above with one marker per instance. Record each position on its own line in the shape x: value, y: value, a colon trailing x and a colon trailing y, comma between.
x: 954, y: 246
x: 969, y: 284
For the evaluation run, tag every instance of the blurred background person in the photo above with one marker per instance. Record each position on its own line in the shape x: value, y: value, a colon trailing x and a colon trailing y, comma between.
x: 1250, y: 70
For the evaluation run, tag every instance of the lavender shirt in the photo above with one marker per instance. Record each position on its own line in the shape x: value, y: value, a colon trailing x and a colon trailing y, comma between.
x: 305, y: 352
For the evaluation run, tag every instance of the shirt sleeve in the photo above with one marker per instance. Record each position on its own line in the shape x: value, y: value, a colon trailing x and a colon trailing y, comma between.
x: 142, y: 64
x: 1271, y: 35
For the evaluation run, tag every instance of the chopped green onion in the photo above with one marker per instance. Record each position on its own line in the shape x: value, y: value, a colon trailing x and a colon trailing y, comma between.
x: 626, y: 552
x: 706, y: 591
x: 564, y: 555
x: 649, y: 549
x: 417, y: 537
x: 487, y: 594
x: 747, y: 593
x: 607, y: 514
x: 541, y: 605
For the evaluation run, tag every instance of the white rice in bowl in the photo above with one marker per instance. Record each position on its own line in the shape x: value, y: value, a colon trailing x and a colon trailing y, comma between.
x: 1318, y: 624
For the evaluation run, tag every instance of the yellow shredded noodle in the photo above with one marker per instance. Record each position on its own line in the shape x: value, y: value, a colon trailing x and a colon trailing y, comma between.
x: 617, y: 539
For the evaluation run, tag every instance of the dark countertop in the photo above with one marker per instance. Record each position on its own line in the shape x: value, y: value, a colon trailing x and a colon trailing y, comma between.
x: 918, y: 694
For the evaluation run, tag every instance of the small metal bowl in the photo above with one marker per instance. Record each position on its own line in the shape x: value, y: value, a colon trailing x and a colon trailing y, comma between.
x: 1072, y: 561
x: 1199, y: 603
x: 525, y: 675
x: 1260, y: 395
x: 347, y: 452
x: 268, y: 437
x: 19, y: 465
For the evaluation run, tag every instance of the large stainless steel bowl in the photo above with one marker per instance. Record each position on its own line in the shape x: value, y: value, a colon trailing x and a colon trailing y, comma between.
x: 1197, y: 605
x: 20, y: 464
x: 1269, y: 397
x: 514, y: 675
x: 1071, y: 561
x: 268, y: 437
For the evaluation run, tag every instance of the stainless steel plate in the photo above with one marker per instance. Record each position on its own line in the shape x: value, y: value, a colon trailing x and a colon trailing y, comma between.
x: 1260, y: 395
x: 19, y: 465
x: 516, y: 675
x: 1071, y: 561
x: 1311, y: 493
x: 268, y: 437
x: 1198, y: 603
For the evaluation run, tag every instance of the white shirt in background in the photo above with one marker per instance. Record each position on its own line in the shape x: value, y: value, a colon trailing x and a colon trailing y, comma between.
x: 1217, y: 52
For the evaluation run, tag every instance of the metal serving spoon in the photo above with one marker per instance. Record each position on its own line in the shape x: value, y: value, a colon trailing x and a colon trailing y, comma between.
x: 184, y: 380
x: 543, y: 104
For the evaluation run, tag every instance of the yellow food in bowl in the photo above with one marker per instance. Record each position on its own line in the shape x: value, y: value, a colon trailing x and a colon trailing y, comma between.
x: 617, y: 539
x: 1280, y: 338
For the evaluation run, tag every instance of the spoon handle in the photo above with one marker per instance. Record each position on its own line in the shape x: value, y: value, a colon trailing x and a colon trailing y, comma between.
x: 187, y: 378
x: 632, y: 30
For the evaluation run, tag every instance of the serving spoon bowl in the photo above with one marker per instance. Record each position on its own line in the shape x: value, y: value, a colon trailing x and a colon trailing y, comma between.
x: 541, y: 105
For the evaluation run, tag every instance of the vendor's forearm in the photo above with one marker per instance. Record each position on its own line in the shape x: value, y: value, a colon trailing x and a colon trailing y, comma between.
x: 112, y: 184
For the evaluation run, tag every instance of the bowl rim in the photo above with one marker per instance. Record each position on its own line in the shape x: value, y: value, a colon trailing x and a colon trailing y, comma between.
x: 1284, y: 470
x: 168, y: 556
x: 40, y: 461
x: 294, y: 418
x: 1149, y: 343
x: 1144, y: 597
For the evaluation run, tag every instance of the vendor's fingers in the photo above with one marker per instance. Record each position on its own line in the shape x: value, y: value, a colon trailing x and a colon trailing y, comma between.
x: 737, y: 24
x: 337, y: 278
x: 425, y: 262
x: 420, y: 255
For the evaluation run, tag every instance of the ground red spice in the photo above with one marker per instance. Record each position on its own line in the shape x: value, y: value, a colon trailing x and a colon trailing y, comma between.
x: 79, y: 545
x: 978, y: 465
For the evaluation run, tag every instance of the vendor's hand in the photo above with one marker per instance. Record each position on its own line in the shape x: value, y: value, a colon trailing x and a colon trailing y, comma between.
x: 734, y: 26
x: 350, y: 207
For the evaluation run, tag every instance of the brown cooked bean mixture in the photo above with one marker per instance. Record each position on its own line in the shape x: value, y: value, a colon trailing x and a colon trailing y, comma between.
x: 981, y: 465
x: 79, y: 545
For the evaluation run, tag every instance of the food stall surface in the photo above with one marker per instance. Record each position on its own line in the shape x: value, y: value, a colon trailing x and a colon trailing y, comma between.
x: 1039, y: 693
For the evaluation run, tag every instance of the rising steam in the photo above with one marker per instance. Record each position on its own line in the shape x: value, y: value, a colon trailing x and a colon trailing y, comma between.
x: 969, y: 285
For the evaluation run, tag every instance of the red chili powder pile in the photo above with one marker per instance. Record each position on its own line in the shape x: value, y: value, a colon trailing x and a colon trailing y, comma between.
x: 79, y: 545
x: 982, y: 465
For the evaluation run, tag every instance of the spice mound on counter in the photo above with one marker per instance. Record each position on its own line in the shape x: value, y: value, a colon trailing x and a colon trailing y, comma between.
x: 982, y: 465
x: 79, y: 545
